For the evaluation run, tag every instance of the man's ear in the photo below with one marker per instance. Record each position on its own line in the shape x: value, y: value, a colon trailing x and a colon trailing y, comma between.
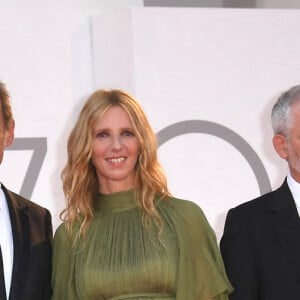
x: 9, y: 134
x: 280, y: 145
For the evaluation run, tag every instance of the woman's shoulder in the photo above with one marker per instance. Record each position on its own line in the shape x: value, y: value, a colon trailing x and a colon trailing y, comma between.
x: 61, y: 232
x: 189, y: 219
x: 184, y: 205
x: 187, y: 210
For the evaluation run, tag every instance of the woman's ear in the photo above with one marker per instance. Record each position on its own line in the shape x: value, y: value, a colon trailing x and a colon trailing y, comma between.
x: 9, y: 134
x: 280, y: 145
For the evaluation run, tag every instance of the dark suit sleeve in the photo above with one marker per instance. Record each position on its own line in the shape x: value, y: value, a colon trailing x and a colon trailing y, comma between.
x: 49, y: 238
x: 39, y: 257
x: 238, y: 256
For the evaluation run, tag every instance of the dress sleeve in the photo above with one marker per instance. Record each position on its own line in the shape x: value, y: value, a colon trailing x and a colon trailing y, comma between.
x: 63, y: 261
x: 201, y: 274
x: 237, y: 252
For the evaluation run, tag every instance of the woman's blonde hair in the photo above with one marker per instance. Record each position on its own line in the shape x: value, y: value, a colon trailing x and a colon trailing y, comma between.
x: 80, y: 182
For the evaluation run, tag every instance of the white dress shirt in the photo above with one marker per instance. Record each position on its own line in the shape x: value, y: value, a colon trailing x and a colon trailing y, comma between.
x: 6, y: 241
x: 294, y: 187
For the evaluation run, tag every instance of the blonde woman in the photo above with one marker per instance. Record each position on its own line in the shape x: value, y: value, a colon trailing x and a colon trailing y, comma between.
x: 124, y: 236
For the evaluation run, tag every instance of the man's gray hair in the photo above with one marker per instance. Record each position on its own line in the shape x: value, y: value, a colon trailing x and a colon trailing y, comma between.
x: 280, y: 116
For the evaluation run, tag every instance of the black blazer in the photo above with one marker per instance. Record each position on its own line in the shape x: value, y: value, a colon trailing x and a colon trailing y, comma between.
x: 261, y: 248
x: 32, y: 238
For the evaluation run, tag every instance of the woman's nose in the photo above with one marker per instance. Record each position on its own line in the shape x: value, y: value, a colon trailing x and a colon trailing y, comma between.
x: 116, y: 143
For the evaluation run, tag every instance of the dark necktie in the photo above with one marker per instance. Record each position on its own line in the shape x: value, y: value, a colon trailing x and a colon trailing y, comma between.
x: 2, y: 283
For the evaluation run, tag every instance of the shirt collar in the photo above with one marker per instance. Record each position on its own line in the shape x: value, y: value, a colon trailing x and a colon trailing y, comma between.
x: 2, y: 198
x: 294, y: 187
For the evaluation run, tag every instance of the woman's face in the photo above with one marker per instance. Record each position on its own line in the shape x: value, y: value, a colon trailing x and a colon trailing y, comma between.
x: 115, y: 150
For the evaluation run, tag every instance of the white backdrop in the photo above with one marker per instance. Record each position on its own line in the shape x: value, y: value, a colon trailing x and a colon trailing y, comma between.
x: 202, y: 65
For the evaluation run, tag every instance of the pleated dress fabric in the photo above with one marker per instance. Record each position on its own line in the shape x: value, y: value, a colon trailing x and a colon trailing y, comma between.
x: 120, y: 259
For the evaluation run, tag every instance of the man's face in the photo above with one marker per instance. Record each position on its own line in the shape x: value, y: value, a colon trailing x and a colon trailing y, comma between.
x: 293, y: 142
x: 6, y: 135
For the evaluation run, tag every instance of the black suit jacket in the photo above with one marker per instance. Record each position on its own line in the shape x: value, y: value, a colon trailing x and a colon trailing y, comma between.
x: 32, y: 238
x: 261, y: 248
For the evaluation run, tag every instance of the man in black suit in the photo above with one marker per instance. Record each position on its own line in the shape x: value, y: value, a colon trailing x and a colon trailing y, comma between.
x: 261, y: 240
x: 25, y: 232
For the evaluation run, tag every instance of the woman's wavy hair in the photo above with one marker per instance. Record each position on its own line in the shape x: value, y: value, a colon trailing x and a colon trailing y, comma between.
x: 80, y: 182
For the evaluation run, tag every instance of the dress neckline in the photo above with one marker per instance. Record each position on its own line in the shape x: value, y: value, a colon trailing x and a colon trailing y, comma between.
x: 115, y: 202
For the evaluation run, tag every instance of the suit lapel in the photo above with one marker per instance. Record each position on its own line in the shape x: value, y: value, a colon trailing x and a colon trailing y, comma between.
x: 19, y: 223
x: 287, y: 224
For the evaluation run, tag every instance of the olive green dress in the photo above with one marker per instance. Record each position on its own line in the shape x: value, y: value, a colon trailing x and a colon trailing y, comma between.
x: 120, y: 259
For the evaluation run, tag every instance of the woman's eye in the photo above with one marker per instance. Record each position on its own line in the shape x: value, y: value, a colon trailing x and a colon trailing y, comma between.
x: 101, y: 134
x: 128, y: 133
